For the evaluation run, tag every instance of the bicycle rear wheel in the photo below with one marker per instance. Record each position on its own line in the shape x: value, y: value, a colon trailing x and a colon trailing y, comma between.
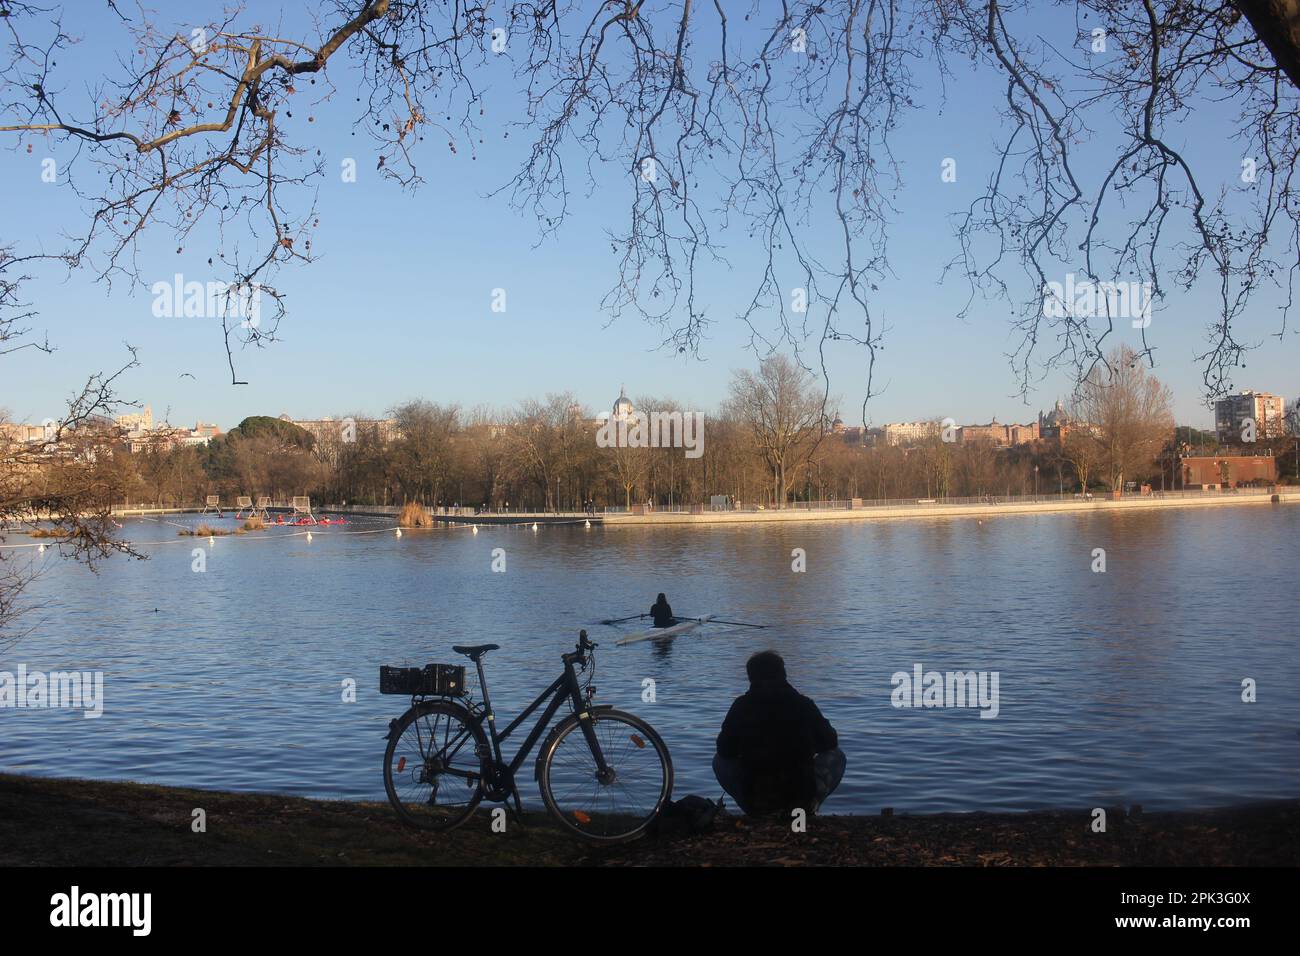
x: 615, y: 806
x: 431, y: 766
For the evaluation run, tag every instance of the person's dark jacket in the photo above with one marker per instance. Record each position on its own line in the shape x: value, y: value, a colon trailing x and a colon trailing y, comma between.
x: 662, y: 612
x: 775, y: 731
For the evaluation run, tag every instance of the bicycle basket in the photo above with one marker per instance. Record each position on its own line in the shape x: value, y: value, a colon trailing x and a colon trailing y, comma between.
x: 433, y: 680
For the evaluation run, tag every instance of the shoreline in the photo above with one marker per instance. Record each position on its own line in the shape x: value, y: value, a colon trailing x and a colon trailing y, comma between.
x: 940, y: 510
x: 64, y: 822
x: 1281, y: 495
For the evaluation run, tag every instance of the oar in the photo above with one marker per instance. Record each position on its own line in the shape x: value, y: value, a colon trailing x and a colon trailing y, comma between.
x: 718, y: 620
x: 620, y: 620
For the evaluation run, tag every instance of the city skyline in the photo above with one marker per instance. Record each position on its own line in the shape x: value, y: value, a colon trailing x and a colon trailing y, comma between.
x: 1024, y: 416
x: 143, y: 432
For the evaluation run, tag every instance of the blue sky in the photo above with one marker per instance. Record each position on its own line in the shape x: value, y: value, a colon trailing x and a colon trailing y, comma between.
x: 397, y: 304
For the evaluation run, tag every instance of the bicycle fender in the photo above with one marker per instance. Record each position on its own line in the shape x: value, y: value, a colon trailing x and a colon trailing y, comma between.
x: 555, y: 732
x: 424, y: 707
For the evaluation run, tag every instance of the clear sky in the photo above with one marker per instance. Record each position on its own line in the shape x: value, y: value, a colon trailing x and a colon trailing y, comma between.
x: 397, y: 304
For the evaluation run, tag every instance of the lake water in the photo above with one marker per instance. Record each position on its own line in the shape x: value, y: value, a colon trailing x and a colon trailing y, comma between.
x: 1115, y: 687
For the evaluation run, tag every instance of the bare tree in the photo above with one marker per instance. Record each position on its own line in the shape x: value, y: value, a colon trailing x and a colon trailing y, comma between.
x: 1125, y: 414
x: 935, y: 458
x: 67, y: 479
x: 423, y: 453
x: 1080, y: 449
x: 977, y: 466
x: 201, y: 133
x: 1147, y: 216
x: 172, y: 476
x: 782, y: 408
x: 546, y: 440
x: 629, y: 467
x: 485, y: 458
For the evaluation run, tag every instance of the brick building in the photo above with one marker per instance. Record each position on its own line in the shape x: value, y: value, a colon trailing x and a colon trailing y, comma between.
x: 996, y: 433
x: 1209, y: 471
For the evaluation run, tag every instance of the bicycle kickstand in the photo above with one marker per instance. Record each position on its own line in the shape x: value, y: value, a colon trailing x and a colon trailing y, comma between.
x: 517, y: 811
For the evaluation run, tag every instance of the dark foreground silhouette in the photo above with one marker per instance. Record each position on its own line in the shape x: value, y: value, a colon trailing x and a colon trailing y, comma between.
x: 776, y: 752
x: 92, y: 823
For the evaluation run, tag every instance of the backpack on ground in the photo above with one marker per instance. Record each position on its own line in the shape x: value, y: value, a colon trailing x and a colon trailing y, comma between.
x: 689, y: 816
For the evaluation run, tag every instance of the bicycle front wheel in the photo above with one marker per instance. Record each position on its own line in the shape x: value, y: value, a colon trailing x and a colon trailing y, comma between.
x: 619, y: 803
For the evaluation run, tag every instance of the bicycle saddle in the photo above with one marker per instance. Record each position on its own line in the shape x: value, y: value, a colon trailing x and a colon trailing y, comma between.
x: 474, y: 651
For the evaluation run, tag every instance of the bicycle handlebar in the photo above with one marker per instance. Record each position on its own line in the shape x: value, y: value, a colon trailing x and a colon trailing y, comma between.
x: 579, y: 654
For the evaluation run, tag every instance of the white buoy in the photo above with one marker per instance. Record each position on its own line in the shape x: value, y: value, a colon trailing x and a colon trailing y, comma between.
x: 211, y: 540
x: 399, y: 532
x: 41, y: 549
x: 586, y: 524
x: 534, y: 525
x: 476, y: 529
x: 308, y: 535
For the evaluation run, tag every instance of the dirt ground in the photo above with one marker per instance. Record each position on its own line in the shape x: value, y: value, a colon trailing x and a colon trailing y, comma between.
x: 46, y: 822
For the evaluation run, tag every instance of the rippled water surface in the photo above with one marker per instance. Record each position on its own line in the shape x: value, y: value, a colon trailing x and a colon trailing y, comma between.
x: 1115, y: 687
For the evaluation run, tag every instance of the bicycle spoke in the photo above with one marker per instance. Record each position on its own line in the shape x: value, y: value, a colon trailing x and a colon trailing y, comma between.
x: 431, y: 779
x: 614, y: 807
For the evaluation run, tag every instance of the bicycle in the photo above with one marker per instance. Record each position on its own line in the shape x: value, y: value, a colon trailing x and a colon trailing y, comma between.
x: 604, y: 774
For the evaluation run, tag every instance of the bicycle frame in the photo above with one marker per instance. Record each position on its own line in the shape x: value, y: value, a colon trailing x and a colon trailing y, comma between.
x: 564, y: 688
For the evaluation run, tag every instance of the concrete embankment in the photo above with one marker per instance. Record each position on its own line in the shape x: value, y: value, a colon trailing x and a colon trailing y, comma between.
x: 939, y: 509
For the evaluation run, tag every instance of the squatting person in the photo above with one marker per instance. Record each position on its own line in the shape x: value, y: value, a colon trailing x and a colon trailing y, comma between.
x: 776, y: 752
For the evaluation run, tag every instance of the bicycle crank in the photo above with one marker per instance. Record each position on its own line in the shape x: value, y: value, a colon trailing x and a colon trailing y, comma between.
x: 498, y: 782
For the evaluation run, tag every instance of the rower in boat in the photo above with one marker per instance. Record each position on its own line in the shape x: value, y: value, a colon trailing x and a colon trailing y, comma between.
x: 662, y: 613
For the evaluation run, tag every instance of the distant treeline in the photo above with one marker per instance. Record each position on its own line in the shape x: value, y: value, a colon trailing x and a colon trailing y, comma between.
x: 770, y: 442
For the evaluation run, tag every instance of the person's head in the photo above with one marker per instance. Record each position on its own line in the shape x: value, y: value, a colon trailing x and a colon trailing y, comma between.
x: 661, y: 599
x: 765, y: 666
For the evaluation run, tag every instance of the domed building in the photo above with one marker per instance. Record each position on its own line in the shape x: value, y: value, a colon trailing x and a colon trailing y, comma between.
x: 1055, y: 423
x: 623, y: 410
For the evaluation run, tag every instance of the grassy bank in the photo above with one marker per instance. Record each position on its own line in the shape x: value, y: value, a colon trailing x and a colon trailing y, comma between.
x: 92, y: 823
